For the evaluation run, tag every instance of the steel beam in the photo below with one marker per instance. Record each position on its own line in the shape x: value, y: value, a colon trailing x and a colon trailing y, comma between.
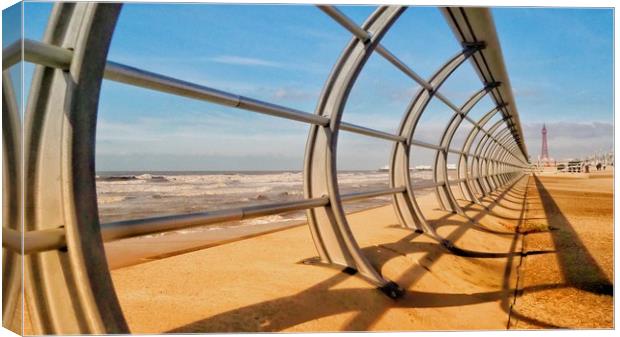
x: 149, y: 80
x: 57, y: 57
x: 129, y: 228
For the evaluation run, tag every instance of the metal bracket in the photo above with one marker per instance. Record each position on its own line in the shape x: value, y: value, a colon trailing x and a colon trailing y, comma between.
x: 474, y: 45
x: 492, y: 85
x: 392, y: 290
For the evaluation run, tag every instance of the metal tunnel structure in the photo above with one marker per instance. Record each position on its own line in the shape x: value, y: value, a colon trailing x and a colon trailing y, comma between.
x: 67, y: 282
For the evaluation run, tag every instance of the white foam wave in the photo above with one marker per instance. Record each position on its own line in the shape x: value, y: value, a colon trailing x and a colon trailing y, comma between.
x: 161, y: 194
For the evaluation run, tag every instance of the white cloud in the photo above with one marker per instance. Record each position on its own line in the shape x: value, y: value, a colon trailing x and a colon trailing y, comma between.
x: 294, y: 94
x: 245, y: 61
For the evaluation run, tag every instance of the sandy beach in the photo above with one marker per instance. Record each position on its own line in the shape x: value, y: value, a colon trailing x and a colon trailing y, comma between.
x: 573, y: 286
x: 538, y: 254
x: 262, y: 284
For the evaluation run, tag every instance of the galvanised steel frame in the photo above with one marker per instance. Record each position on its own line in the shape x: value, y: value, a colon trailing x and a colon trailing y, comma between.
x: 67, y: 282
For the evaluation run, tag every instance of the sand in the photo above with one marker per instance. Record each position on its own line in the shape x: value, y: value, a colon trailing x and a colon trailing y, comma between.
x: 511, y: 270
x: 260, y: 284
x: 128, y: 252
x: 571, y: 288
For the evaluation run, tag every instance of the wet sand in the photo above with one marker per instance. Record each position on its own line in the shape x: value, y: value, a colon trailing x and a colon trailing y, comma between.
x: 261, y: 284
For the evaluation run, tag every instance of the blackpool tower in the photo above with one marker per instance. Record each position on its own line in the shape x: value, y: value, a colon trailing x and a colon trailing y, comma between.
x: 544, y: 159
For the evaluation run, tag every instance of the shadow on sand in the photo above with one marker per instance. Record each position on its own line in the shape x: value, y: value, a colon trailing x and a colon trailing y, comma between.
x: 579, y: 268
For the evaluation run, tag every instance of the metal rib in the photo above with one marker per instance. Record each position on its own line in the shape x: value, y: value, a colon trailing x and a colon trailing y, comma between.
x: 370, y: 132
x: 363, y: 35
x: 34, y: 241
x: 426, y: 145
x: 429, y: 184
x: 345, y: 22
x: 36, y: 52
x: 149, y: 80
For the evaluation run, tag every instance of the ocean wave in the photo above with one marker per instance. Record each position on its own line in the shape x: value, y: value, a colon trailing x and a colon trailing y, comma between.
x: 271, y: 219
x: 122, y: 195
x: 145, y: 176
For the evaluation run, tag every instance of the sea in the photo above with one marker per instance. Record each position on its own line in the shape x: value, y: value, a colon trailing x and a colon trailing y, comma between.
x: 144, y: 194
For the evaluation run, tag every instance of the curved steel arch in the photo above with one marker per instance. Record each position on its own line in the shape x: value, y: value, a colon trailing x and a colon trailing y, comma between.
x: 463, y: 168
x: 70, y: 290
x: 491, y: 164
x: 481, y: 159
x: 406, y: 206
x: 330, y: 230
x: 440, y: 172
x: 488, y: 145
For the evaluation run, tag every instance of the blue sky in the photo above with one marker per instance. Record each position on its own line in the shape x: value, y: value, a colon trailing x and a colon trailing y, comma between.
x: 559, y: 60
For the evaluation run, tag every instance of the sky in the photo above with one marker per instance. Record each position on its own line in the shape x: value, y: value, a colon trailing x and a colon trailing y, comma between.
x: 559, y: 61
